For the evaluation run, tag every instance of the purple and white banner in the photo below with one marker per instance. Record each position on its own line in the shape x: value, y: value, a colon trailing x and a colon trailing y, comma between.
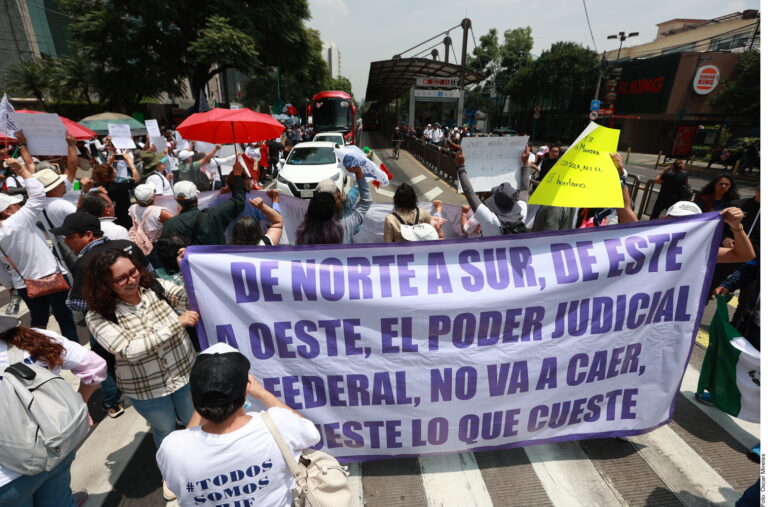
x: 456, y: 345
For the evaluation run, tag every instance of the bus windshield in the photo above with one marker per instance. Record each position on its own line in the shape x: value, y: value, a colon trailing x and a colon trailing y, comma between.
x: 332, y: 114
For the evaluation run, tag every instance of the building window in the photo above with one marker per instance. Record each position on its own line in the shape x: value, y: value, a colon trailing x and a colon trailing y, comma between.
x: 729, y: 43
x: 679, y: 49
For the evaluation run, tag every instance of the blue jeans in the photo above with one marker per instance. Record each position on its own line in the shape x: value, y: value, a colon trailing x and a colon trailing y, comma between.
x: 110, y: 393
x: 162, y: 413
x: 46, y: 489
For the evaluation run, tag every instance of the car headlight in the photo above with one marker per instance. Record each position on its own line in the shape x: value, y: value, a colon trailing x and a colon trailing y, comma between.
x: 336, y: 176
x: 281, y: 179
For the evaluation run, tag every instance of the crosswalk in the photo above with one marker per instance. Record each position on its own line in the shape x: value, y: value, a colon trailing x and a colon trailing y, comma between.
x: 698, y: 459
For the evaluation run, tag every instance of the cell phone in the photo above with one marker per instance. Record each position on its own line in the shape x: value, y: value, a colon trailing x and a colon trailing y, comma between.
x: 119, y: 156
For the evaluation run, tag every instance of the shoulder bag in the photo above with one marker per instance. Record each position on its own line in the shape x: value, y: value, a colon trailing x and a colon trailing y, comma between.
x: 37, y: 287
x: 320, y: 480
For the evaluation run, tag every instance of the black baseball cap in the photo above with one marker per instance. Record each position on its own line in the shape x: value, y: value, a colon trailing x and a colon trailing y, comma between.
x: 78, y: 222
x: 219, y: 376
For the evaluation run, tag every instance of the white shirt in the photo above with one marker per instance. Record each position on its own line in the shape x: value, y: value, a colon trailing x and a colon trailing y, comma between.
x: 248, y: 457
x: 437, y: 135
x: 23, y: 242
x: 490, y: 223
x: 56, y: 209
x: 152, y: 225
x: 219, y: 163
x: 112, y: 230
x: 161, y: 183
x: 73, y: 355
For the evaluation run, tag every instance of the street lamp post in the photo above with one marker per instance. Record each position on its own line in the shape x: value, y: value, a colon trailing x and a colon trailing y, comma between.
x: 622, y: 36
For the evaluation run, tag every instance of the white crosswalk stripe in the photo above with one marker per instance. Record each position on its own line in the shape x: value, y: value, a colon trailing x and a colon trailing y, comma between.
x: 453, y: 479
x: 428, y: 196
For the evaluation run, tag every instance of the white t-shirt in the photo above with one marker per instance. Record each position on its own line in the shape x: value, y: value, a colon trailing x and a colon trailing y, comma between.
x: 74, y: 353
x: 56, y: 209
x: 161, y: 183
x: 207, y: 469
x: 152, y: 226
x: 112, y: 230
x: 490, y: 223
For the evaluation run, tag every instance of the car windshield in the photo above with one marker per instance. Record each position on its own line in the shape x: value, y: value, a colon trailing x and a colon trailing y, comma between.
x: 336, y: 139
x: 311, y: 156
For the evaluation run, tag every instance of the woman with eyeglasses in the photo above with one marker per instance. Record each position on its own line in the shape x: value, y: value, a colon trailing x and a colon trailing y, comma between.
x: 133, y: 316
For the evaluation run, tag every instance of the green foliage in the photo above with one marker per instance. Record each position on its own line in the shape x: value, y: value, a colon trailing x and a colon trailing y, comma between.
x: 28, y: 77
x: 341, y: 83
x: 741, y: 92
x: 565, y: 75
x: 219, y: 43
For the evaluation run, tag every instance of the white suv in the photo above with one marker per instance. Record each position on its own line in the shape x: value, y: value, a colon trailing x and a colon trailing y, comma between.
x: 333, y: 137
x: 306, y: 166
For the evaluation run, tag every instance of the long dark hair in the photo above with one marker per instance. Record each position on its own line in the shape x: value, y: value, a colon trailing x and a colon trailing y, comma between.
x: 731, y: 195
x: 320, y: 225
x: 38, y: 345
x: 97, y: 287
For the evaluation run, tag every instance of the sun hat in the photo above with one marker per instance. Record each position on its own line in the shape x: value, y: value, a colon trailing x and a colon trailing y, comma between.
x: 49, y: 179
x: 503, y: 202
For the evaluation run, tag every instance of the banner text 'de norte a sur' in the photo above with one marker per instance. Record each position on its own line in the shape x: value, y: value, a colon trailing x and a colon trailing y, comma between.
x: 447, y: 346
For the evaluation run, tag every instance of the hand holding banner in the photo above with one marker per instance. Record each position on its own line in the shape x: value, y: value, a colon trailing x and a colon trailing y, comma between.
x: 585, y: 176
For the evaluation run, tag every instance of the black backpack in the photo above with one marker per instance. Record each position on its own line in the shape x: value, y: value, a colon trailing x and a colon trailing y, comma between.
x: 516, y: 228
x: 187, y: 172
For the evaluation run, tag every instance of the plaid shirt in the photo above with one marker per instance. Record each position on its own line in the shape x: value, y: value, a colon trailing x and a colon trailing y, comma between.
x: 153, y: 352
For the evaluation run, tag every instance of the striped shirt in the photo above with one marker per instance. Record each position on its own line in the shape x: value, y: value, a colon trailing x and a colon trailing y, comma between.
x: 153, y: 352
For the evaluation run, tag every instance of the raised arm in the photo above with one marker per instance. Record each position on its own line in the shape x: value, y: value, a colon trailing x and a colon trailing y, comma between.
x: 208, y: 156
x: 742, y: 249
x: 71, y: 157
x: 275, y: 219
x: 466, y: 185
x: 625, y: 214
x: 25, y: 156
x: 128, y: 156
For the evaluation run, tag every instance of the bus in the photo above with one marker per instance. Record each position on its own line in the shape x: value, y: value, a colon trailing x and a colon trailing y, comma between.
x: 334, y: 111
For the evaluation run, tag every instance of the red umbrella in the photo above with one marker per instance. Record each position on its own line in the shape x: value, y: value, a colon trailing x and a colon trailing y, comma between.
x: 228, y: 126
x: 76, y: 130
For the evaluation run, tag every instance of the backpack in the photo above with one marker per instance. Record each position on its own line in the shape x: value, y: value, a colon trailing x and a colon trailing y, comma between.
x: 516, y: 228
x: 416, y: 231
x: 137, y: 235
x: 43, y: 419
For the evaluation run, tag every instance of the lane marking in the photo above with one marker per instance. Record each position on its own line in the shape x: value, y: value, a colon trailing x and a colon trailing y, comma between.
x: 433, y: 193
x: 385, y: 193
x: 453, y: 479
x: 417, y: 179
x: 684, y: 472
x: 569, y: 477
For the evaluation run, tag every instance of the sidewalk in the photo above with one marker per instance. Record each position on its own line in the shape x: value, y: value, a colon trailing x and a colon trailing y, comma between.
x: 699, y: 167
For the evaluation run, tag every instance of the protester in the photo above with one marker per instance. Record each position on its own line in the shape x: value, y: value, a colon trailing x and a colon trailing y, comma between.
x: 135, y: 320
x: 247, y: 230
x: 53, y: 352
x: 28, y: 254
x: 206, y: 227
x: 191, y: 170
x: 229, y: 439
x: 119, y: 191
x: 501, y: 213
x: 718, y: 194
x: 101, y: 206
x: 154, y: 172
x: 674, y: 181
x: 323, y: 223
x: 407, y: 212
x: 147, y: 217
x: 552, y: 155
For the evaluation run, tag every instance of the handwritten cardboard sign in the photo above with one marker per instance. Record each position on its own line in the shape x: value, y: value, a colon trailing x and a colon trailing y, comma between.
x: 45, y: 133
x: 491, y: 161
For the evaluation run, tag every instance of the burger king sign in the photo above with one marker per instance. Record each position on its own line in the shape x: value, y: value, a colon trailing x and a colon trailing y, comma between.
x: 706, y: 79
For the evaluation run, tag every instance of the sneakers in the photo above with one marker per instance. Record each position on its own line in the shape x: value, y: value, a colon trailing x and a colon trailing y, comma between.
x: 704, y: 398
x: 168, y: 495
x: 754, y: 453
x: 13, y: 305
x: 115, y: 411
x: 79, y: 497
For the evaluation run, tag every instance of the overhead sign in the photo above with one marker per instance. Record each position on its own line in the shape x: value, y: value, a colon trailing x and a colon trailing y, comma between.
x: 440, y: 82
x: 446, y: 94
x: 594, y: 105
x: 706, y: 79
x: 518, y: 340
x: 585, y: 176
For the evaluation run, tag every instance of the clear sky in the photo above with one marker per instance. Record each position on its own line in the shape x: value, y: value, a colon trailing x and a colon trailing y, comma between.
x: 371, y: 30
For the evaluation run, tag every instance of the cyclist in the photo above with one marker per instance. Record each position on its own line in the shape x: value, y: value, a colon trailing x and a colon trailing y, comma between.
x: 397, y: 138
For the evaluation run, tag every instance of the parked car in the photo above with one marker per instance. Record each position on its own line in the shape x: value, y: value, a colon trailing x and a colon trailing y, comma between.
x: 333, y: 137
x: 307, y: 164
x: 504, y: 132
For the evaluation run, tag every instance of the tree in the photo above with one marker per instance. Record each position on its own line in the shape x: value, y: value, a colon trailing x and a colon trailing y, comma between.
x: 341, y: 83
x: 146, y: 47
x: 741, y: 92
x: 564, y: 76
x: 28, y: 77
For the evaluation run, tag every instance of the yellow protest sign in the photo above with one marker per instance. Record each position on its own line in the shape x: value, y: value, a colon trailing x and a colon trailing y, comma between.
x: 585, y: 176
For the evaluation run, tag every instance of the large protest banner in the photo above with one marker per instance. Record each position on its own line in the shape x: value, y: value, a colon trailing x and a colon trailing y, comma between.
x: 491, y: 161
x: 447, y: 346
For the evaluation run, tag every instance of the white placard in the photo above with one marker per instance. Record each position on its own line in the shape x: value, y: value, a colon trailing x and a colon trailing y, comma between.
x: 153, y: 130
x: 159, y: 142
x: 491, y: 161
x: 45, y: 133
x: 202, y: 147
x: 462, y: 346
x: 121, y: 136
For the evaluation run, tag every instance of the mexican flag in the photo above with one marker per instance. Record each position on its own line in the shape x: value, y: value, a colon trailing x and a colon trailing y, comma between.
x: 731, y: 368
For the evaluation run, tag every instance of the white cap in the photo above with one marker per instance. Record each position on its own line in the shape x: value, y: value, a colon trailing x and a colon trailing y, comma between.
x: 219, y: 348
x: 6, y: 200
x: 683, y: 209
x: 184, y: 190
x: 185, y: 154
x: 144, y: 192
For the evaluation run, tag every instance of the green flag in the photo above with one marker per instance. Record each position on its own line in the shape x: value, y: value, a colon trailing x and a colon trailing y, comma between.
x: 731, y: 368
